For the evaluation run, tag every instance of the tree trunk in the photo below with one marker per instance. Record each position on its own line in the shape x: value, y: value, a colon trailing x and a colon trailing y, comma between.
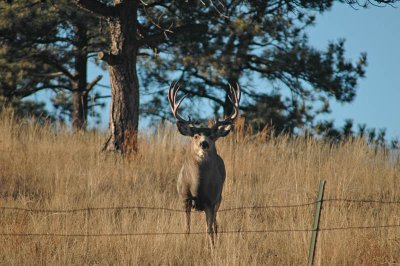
x: 124, y: 108
x: 79, y: 108
x: 79, y: 83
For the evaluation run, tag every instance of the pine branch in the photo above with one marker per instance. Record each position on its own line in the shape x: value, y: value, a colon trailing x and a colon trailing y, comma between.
x: 152, y: 4
x: 97, y: 8
x: 155, y: 39
x: 203, y: 95
x: 60, y: 67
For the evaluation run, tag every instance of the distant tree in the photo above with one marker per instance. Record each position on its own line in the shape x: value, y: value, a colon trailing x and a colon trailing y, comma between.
x: 85, y: 40
x: 263, y: 46
x: 327, y: 131
x: 21, y: 74
x: 27, y: 109
x: 47, y: 46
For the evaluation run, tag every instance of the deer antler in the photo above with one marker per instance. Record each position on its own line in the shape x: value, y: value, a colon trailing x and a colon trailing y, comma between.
x: 234, y: 97
x: 172, y: 93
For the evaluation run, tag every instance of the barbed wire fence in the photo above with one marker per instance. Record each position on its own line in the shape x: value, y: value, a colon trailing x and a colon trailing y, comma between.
x: 314, y: 230
x: 118, y: 208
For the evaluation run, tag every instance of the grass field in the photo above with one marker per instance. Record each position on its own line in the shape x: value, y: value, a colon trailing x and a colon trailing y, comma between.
x: 45, y: 168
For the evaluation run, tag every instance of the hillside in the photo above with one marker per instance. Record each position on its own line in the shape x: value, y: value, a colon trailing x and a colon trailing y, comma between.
x: 45, y: 168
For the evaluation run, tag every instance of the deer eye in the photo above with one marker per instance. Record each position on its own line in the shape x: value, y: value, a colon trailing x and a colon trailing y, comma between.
x: 196, y: 136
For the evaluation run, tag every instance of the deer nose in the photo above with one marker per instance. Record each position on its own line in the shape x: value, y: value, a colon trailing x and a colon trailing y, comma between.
x: 204, y: 145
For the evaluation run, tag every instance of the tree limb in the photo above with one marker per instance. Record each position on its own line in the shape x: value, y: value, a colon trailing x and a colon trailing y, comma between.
x: 91, y: 85
x: 97, y: 8
x: 152, y: 4
x: 109, y: 58
x: 48, y: 75
x: 102, y: 97
x: 155, y: 39
x: 60, y: 67
x: 203, y: 95
x: 29, y: 90
x: 208, y: 81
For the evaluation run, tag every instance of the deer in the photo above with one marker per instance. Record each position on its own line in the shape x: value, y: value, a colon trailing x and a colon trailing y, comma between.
x: 202, y: 176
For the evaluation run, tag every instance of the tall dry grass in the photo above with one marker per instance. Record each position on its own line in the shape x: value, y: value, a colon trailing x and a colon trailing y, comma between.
x: 46, y: 168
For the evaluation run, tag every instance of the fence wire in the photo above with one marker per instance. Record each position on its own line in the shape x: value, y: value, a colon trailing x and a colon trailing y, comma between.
x: 201, y: 233
x: 90, y: 209
x: 118, y: 208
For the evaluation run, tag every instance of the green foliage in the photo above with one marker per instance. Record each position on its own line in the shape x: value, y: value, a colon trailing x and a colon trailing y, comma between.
x: 23, y: 39
x: 263, y: 46
x: 63, y: 107
x: 274, y: 112
x: 45, y: 45
x: 27, y: 109
x: 328, y: 131
x: 368, y: 3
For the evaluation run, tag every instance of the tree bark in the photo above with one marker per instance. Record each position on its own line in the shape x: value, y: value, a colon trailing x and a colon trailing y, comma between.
x: 124, y: 108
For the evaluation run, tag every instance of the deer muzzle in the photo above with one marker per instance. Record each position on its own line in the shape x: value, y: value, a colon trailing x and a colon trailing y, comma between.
x: 204, y: 145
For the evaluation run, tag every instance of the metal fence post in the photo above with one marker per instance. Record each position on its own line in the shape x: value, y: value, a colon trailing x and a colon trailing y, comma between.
x: 315, y: 227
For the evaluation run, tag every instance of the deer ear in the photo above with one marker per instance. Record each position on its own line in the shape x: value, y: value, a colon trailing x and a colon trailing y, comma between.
x: 223, y: 130
x: 185, y: 129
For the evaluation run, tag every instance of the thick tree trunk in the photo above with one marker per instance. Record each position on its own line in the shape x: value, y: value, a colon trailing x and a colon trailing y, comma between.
x: 124, y: 109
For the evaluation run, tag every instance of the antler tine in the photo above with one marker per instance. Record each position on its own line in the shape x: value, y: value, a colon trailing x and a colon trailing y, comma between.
x: 234, y: 97
x: 236, y: 94
x: 172, y: 95
x: 239, y: 94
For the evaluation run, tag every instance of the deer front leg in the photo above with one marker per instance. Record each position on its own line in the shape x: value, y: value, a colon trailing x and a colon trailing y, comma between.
x: 215, y: 218
x: 210, y: 223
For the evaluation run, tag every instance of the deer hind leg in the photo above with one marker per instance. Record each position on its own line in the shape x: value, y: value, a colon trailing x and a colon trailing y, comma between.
x: 210, y: 218
x: 188, y: 208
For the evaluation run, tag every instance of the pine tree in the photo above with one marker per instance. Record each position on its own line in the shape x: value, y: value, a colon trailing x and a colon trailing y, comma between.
x: 263, y: 46
x: 135, y: 28
x: 46, y: 45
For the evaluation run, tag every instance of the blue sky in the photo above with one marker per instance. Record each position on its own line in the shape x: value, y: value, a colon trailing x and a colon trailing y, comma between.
x: 375, y: 31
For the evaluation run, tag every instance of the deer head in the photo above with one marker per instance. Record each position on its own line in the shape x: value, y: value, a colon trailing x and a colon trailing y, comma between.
x: 203, y: 138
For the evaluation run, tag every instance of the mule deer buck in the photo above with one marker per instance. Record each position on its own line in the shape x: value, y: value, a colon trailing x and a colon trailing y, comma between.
x: 202, y: 176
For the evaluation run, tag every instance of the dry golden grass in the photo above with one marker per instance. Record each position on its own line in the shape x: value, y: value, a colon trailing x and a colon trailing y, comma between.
x: 44, y: 168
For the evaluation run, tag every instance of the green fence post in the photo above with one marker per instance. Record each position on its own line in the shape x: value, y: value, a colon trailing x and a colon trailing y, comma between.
x: 315, y: 227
